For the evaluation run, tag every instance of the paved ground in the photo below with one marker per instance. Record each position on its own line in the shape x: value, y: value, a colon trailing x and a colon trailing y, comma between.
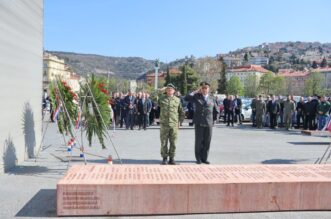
x: 29, y: 190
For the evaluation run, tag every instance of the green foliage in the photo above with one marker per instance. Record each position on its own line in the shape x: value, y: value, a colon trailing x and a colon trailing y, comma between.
x: 222, y: 82
x: 313, y: 84
x: 61, y: 94
x: 314, y: 65
x: 266, y: 83
x: 278, y: 85
x: 324, y: 63
x: 168, y: 77
x: 191, y: 82
x: 235, y: 86
x: 251, y: 86
x: 270, y: 84
x: 93, y: 118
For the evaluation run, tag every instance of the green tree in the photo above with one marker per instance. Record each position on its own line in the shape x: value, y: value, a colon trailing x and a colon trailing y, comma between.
x: 265, y: 85
x: 235, y: 86
x: 324, y: 63
x: 222, y: 82
x: 313, y: 84
x: 168, y: 77
x: 314, y: 65
x: 191, y: 82
x: 246, y: 57
x: 278, y: 85
x: 251, y: 86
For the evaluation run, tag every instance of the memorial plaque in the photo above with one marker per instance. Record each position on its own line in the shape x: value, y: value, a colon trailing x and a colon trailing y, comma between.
x: 186, y: 189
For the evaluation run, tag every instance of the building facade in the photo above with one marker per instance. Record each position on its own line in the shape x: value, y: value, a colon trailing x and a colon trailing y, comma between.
x: 295, y: 80
x: 259, y: 60
x: 326, y: 75
x: 21, y: 66
x: 243, y: 72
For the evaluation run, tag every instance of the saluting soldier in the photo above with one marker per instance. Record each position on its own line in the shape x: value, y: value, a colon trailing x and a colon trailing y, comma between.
x: 203, y: 120
x: 170, y: 117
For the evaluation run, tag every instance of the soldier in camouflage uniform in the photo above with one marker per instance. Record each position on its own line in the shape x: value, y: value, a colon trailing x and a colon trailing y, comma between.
x: 170, y: 117
x: 260, y: 108
x: 289, y: 108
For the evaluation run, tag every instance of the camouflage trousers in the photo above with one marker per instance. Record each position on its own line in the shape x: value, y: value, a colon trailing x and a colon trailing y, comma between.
x: 168, y: 133
x: 259, y: 119
x: 288, y: 120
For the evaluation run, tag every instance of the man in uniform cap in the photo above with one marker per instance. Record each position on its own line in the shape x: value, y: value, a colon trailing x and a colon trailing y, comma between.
x: 171, y: 116
x: 203, y: 120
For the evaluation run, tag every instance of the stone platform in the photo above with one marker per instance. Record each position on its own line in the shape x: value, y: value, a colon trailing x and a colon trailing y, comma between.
x: 188, y: 189
x: 316, y: 133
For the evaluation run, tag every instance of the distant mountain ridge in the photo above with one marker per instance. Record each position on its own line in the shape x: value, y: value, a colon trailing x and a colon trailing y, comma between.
x: 125, y: 67
x: 297, y: 55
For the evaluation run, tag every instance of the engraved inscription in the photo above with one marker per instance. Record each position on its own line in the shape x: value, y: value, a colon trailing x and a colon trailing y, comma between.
x: 80, y: 200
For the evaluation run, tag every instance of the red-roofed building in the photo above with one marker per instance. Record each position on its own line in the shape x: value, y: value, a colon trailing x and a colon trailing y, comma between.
x: 244, y: 71
x: 295, y: 80
x: 326, y: 74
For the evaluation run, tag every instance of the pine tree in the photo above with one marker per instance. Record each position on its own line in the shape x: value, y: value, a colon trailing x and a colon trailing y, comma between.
x: 222, y: 83
x: 168, y: 77
x: 324, y: 63
x: 314, y: 65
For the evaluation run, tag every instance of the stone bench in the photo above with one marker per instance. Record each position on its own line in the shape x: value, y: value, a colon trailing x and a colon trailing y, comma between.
x: 188, y: 189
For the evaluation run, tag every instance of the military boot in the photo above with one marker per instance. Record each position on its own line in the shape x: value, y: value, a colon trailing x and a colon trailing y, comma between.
x: 172, y: 161
x: 164, y: 161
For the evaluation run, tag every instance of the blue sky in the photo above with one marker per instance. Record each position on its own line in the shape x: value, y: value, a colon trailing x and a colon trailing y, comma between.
x: 171, y: 29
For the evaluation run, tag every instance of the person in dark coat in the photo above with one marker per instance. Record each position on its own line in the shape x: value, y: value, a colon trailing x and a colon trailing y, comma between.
x: 225, y: 107
x: 203, y: 120
x: 129, y: 103
x: 310, y: 114
x: 273, y: 108
x: 143, y: 109
x: 237, y: 109
x: 230, y: 110
x: 300, y: 112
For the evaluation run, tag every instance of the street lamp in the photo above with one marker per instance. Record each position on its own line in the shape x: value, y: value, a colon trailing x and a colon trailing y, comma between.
x: 156, y: 66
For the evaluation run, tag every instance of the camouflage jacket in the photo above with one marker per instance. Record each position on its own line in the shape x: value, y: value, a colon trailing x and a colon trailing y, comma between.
x: 171, y: 110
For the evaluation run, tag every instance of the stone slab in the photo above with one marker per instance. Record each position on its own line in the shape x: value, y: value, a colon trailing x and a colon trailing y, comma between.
x: 187, y: 189
x: 316, y: 133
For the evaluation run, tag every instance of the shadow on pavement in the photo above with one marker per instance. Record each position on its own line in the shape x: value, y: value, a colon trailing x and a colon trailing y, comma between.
x: 309, y: 143
x: 43, y: 204
x: 282, y: 161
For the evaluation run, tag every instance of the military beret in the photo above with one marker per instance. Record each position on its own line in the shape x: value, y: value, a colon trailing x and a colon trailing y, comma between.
x: 204, y: 84
x: 170, y: 85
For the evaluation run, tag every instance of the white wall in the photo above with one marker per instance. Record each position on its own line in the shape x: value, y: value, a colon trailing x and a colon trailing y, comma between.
x: 21, y: 51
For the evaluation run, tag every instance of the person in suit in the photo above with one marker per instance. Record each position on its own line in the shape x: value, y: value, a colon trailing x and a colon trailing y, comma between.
x: 203, y: 120
x: 143, y: 109
x: 230, y: 110
x: 237, y: 109
x: 225, y: 107
x: 129, y: 103
x: 273, y: 108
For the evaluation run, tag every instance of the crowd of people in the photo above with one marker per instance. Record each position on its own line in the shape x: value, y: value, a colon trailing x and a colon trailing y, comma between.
x: 309, y: 113
x: 139, y: 110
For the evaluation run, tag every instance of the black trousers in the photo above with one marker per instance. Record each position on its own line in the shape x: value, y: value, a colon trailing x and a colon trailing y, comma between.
x: 230, y: 115
x: 273, y: 120
x: 300, y: 117
x: 202, y: 142
x: 130, y: 119
x: 309, y: 122
x: 143, y: 120
x: 238, y: 114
